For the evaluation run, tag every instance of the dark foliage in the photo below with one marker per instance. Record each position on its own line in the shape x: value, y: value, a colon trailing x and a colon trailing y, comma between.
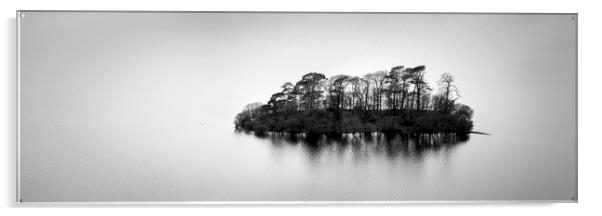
x: 395, y: 102
x: 331, y: 122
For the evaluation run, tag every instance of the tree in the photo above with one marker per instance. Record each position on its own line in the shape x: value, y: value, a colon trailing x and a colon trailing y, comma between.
x: 249, y: 113
x: 276, y: 102
x: 354, y: 104
x: 464, y: 112
x: 309, y: 89
x: 393, y: 80
x: 253, y: 109
x: 284, y: 100
x: 288, y: 89
x: 366, y: 88
x: 336, y: 91
x: 439, y: 103
x: 405, y: 76
x: 446, y: 85
x: 418, y: 81
x: 356, y: 93
x: 378, y: 78
x: 425, y: 98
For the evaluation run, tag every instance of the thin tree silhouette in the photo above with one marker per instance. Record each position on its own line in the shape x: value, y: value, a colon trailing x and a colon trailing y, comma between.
x: 399, y: 101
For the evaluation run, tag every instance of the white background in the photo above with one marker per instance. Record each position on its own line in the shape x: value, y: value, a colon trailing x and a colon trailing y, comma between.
x: 589, y: 97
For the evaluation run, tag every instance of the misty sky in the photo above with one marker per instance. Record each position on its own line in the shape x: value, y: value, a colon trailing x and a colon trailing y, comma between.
x: 229, y: 60
x: 89, y: 76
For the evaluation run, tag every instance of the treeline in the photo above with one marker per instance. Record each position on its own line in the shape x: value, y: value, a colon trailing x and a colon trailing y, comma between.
x: 395, y: 101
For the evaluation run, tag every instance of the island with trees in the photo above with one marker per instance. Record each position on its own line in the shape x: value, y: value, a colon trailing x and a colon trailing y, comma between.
x: 398, y: 101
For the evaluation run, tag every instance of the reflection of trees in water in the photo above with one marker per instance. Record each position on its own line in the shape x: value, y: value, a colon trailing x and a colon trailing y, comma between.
x: 364, y: 145
x: 417, y: 146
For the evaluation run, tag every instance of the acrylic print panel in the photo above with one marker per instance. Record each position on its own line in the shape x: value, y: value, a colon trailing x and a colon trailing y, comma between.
x: 244, y: 107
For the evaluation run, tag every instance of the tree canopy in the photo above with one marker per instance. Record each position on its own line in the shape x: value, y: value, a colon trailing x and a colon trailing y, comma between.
x: 396, y: 101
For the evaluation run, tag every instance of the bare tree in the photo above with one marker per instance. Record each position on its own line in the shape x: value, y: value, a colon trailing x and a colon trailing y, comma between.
x: 446, y: 85
x: 356, y: 92
x: 366, y: 88
x: 378, y: 78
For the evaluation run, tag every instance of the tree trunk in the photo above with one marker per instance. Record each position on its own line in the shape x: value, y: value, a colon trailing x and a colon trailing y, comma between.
x: 403, y: 94
x: 418, y: 98
x: 447, y: 98
x: 367, y: 91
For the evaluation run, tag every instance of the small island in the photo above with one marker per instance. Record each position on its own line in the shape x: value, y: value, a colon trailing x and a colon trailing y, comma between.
x: 398, y: 101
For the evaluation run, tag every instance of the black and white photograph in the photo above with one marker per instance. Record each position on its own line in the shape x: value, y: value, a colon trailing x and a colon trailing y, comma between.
x: 296, y: 107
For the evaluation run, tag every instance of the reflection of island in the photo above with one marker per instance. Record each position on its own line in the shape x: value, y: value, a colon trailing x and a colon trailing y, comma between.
x: 361, y: 145
x: 396, y: 102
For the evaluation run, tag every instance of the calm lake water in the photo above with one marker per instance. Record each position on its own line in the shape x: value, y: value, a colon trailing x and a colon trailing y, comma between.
x: 227, y: 165
x: 376, y: 168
